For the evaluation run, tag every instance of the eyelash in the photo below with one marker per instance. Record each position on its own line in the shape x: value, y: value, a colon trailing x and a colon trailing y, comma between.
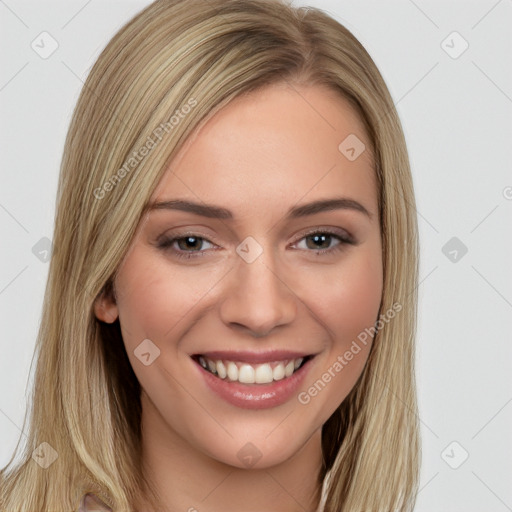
x: 166, y: 243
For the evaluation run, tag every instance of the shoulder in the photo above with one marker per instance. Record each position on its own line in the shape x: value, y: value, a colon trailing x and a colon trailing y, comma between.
x: 91, y: 503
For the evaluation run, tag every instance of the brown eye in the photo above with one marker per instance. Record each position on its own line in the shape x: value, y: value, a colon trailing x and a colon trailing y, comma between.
x: 318, y: 241
x: 189, y: 243
x: 186, y: 246
x: 324, y: 241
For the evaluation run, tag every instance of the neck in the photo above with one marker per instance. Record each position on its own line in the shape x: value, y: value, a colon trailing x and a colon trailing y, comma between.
x: 188, y: 480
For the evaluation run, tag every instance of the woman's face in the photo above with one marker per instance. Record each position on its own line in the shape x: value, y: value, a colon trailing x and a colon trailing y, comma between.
x: 262, y: 253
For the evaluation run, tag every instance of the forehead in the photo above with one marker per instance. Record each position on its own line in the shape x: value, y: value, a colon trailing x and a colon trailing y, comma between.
x: 275, y: 146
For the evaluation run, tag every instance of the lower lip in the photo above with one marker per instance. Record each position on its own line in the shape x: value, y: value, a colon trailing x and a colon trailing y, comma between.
x: 256, y: 396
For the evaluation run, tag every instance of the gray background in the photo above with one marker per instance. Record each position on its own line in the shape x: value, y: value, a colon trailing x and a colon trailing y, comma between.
x: 456, y: 109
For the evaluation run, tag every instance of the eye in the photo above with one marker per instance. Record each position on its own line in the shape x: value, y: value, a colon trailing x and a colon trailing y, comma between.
x: 323, y: 241
x: 186, y: 246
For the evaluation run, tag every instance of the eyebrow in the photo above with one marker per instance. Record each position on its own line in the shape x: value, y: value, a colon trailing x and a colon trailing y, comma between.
x: 218, y: 212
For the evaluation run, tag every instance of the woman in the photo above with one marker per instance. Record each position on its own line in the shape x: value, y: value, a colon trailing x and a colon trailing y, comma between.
x: 230, y: 312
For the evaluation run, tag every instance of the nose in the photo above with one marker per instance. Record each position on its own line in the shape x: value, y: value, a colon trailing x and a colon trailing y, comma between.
x: 257, y: 298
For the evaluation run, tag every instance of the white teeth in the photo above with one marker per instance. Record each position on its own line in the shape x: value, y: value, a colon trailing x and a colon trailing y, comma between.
x: 221, y: 370
x: 249, y: 374
x: 232, y: 371
x: 288, y: 369
x: 263, y: 374
x: 211, y: 365
x: 246, y: 374
x: 279, y: 372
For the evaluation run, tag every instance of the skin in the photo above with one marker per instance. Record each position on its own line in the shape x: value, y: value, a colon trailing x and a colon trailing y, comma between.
x: 259, y: 156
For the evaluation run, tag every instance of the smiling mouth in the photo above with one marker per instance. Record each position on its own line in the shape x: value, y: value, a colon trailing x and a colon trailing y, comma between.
x: 247, y: 373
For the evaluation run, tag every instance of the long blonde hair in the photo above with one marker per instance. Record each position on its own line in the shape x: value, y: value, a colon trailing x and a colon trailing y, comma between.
x: 85, y: 401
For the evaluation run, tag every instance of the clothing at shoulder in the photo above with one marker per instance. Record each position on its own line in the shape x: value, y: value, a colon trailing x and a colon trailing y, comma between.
x: 91, y: 503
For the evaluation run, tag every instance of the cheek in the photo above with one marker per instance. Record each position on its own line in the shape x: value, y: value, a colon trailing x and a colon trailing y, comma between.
x: 346, y: 301
x: 346, y: 298
x: 154, y: 297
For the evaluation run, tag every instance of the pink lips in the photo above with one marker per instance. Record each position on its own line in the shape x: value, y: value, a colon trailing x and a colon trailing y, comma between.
x: 255, y: 396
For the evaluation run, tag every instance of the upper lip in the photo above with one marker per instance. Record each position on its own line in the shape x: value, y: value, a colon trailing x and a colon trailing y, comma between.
x: 253, y: 357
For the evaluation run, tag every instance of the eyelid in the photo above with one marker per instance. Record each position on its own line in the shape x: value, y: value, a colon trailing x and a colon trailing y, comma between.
x: 166, y: 241
x: 170, y: 235
x: 342, y: 234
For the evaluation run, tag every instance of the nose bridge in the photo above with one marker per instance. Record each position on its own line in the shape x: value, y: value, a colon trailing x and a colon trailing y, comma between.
x: 261, y: 277
x: 258, y: 297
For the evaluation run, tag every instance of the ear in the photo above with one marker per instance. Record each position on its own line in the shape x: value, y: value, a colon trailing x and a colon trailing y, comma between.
x: 105, y: 305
